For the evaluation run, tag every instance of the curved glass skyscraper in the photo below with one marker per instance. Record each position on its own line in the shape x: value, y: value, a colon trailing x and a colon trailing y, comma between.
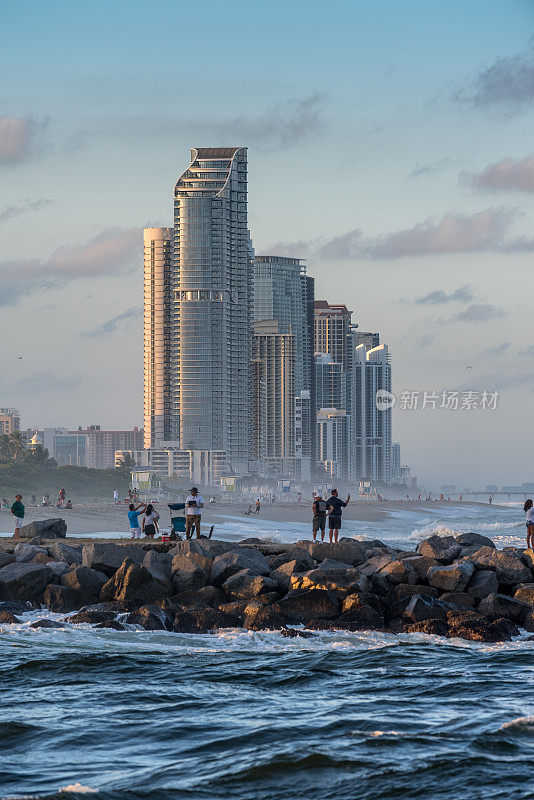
x: 212, y: 276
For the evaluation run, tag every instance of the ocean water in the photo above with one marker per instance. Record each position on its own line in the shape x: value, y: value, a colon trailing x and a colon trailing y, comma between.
x: 138, y: 715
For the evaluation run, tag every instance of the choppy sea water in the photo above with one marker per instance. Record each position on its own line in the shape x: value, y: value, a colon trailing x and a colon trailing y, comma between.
x: 138, y: 715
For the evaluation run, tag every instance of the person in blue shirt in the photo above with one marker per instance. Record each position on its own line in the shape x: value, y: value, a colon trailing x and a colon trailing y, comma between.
x: 334, y: 506
x: 134, y: 513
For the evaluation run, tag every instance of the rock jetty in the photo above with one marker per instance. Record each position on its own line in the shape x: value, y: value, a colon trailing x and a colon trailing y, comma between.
x: 454, y: 586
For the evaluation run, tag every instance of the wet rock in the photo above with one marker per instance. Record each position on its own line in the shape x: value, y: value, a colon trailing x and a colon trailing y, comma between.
x: 349, y: 551
x: 528, y: 621
x: 473, y: 626
x: 20, y: 581
x: 433, y: 627
x: 24, y: 552
x: 7, y: 618
x: 202, y: 619
x: 422, y: 607
x: 442, y: 548
x: 61, y: 599
x: 246, y: 584
x: 399, y: 572
x: 47, y: 623
x: 507, y: 566
x: 85, y: 581
x: 112, y: 624
x: 409, y: 589
x: 158, y: 563
x: 302, y: 560
x: 133, y: 582
x: 303, y: 605
x: 262, y: 618
x: 474, y: 540
x: 525, y: 594
x: 107, y: 558
x: 62, y: 551
x: 352, y: 582
x: 16, y: 608
x: 452, y: 578
x: 151, y: 618
x: 6, y: 558
x: 197, y: 552
x: 45, y: 529
x: 482, y: 583
x: 282, y: 574
x: 234, y: 561
x: 357, y: 615
x: 186, y: 574
x: 495, y: 606
x: 208, y: 595
x: 91, y: 617
x: 292, y: 633
x: 458, y: 599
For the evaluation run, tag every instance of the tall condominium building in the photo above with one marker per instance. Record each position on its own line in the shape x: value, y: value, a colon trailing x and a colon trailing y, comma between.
x: 334, y: 442
x: 158, y: 418
x: 211, y: 284
x: 330, y: 382
x: 9, y: 420
x: 357, y: 337
x: 274, y: 397
x: 370, y: 425
x: 332, y: 326
x: 305, y: 438
x: 101, y: 445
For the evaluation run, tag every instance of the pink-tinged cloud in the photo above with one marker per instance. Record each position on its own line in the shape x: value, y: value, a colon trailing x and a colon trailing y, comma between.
x: 21, y: 138
x: 509, y: 174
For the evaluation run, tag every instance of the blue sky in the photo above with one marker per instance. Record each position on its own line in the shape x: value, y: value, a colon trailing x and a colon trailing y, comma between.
x: 389, y: 143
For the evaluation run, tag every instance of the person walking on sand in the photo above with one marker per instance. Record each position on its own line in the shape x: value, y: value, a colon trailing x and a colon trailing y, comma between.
x: 258, y: 506
x: 62, y: 495
x: 319, y: 517
x: 193, y: 504
x: 134, y: 513
x: 150, y: 522
x: 334, y: 506
x: 528, y: 508
x: 116, y: 496
x: 18, y: 511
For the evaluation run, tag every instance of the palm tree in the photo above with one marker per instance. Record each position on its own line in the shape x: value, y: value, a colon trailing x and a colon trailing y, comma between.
x: 17, y: 442
x: 127, y: 463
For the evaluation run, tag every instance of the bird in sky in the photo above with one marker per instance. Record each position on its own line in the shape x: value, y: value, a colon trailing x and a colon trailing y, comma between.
x: 468, y: 366
x: 19, y: 358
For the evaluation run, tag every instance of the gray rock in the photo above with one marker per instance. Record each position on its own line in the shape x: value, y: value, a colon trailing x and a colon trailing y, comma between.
x: 158, y: 563
x: 496, y: 606
x: 422, y: 607
x: 203, y: 619
x: 151, y: 618
x: 528, y: 621
x: 283, y: 573
x: 62, y: 551
x: 483, y: 583
x: 21, y: 581
x: 59, y: 568
x: 245, y: 585
x: 432, y: 627
x: 133, y: 582
x: 45, y: 529
x: 420, y: 564
x: 399, y: 572
x: 111, y: 623
x: 303, y: 605
x: 91, y: 617
x: 525, y: 594
x: 409, y: 589
x: 473, y: 540
x: 7, y: 618
x: 303, y: 561
x: 216, y: 547
x: 85, y: 581
x: 234, y: 561
x: 458, y: 599
x: 260, y: 617
x: 107, y: 558
x: 473, y: 626
x: 442, y: 548
x: 6, y: 558
x: 349, y: 551
x: 47, y: 623
x: 508, y: 567
x: 62, y: 599
x: 196, y: 551
x: 25, y: 552
x: 452, y: 578
x: 375, y: 564
x: 187, y: 576
x: 208, y: 596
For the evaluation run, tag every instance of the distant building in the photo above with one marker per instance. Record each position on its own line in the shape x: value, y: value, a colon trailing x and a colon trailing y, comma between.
x: 9, y: 421
x: 370, y: 340
x: 68, y: 448
x: 101, y: 446
x: 330, y: 382
x: 333, y: 442
x: 395, y: 466
x: 492, y: 487
x: 371, y: 426
x: 331, y: 331
x: 304, y: 436
x: 203, y: 467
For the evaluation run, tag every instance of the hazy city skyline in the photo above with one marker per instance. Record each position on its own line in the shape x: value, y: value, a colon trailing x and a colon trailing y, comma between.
x: 394, y: 166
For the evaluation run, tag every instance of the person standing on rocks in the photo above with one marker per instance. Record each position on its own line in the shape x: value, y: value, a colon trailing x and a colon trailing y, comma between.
x: 319, y: 517
x: 193, y: 504
x: 529, y: 511
x: 334, y: 506
x: 18, y: 511
x: 134, y: 513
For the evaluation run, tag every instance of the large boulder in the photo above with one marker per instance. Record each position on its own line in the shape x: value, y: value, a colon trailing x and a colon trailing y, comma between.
x: 215, y: 547
x: 458, y: 599
x: 196, y: 551
x: 282, y: 574
x: 234, y: 561
x: 7, y: 618
x: 158, y: 563
x: 133, y: 582
x: 62, y: 551
x: 442, y: 548
x: 525, y: 594
x: 45, y: 529
x: 91, y: 617
x: 528, y: 622
x: 496, y: 606
x: 62, y: 599
x: 151, y: 618
x: 85, y: 581
x: 451, y: 578
x: 303, y: 605
x: 420, y: 564
x: 507, y: 566
x: 399, y: 572
x: 47, y: 623
x: 473, y: 540
x: 20, y: 581
x: 208, y: 596
x: 409, y: 589
x: 203, y: 619
x: 375, y: 564
x: 245, y: 585
x: 107, y: 558
x: 432, y: 627
x: 261, y: 617
x: 24, y: 552
x: 346, y: 550
x: 187, y: 576
x: 6, y: 558
x: 422, y: 607
x: 357, y: 614
x: 483, y: 582
x: 345, y: 583
x: 473, y: 626
x: 302, y: 559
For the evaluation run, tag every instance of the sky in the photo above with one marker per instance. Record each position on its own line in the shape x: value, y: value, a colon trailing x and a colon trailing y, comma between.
x: 389, y: 144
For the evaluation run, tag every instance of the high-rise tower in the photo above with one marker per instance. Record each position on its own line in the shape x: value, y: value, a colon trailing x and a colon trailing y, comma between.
x: 157, y: 336
x: 212, y: 297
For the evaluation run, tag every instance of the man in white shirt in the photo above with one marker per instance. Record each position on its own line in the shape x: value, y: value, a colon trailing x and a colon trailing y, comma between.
x: 193, y: 505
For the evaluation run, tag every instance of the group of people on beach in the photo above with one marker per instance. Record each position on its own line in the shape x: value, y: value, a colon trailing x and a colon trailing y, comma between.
x: 331, y: 508
x: 193, y: 509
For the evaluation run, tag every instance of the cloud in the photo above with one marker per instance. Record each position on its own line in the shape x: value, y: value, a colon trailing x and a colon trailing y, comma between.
x: 438, y: 297
x: 508, y: 174
x: 29, y: 205
x: 496, y: 381
x: 496, y: 350
x: 507, y: 84
x: 120, y: 321
x: 21, y: 139
x: 41, y: 382
x: 112, y: 252
x: 528, y: 352
x: 482, y: 232
x: 430, y: 167
x: 425, y: 340
x: 478, y: 313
